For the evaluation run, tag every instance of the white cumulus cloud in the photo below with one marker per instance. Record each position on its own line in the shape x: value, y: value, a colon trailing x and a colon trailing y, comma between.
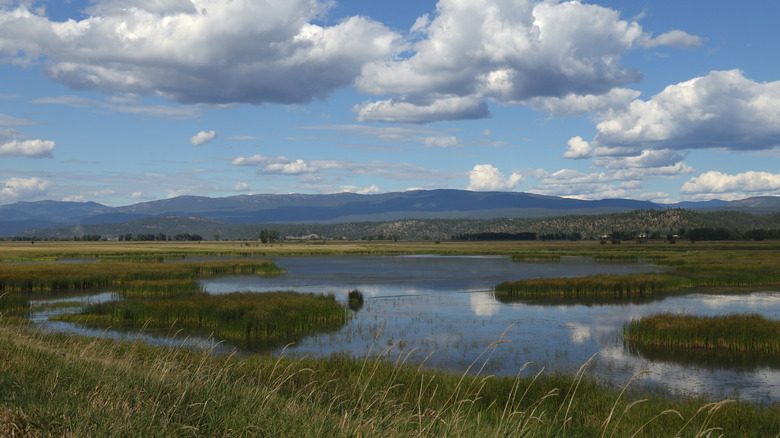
x: 21, y: 188
x: 277, y: 165
x: 200, y: 51
x: 507, y: 51
x: 623, y: 180
x: 296, y: 167
x: 484, y: 177
x: 578, y: 148
x: 203, y: 137
x: 714, y: 182
x: 573, y: 105
x: 721, y: 110
x: 644, y: 160
x: 370, y: 190
x: 27, y: 148
x: 674, y: 38
x: 430, y: 110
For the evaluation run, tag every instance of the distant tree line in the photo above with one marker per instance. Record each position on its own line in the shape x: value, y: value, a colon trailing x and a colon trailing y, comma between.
x: 382, y: 236
x: 271, y: 236
x: 143, y: 237
x: 88, y: 238
x: 561, y: 236
x: 706, y: 233
x: 159, y: 237
x: 495, y: 236
x: 187, y: 237
x: 761, y: 234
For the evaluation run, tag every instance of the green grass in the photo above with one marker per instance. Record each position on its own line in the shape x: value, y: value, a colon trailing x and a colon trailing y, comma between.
x: 66, y: 385
x: 239, y: 317
x: 736, y: 333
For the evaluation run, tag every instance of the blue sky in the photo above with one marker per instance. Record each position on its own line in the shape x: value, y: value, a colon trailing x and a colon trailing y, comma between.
x: 120, y: 102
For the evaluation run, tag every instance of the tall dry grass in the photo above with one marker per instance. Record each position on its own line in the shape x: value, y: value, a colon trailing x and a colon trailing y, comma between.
x: 65, y: 385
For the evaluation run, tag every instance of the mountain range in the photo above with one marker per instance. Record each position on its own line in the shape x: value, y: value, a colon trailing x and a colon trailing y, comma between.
x: 343, y: 208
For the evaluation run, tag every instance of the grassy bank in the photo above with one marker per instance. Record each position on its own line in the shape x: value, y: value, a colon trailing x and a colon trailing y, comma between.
x: 738, y: 333
x: 55, y: 384
x: 239, y: 317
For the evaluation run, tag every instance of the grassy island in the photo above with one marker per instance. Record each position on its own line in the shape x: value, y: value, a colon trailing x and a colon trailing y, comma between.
x: 616, y: 286
x: 736, y: 333
x: 239, y: 317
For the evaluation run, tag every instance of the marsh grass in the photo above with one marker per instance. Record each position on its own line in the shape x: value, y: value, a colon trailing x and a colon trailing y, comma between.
x: 66, y: 385
x: 736, y: 332
x: 538, y: 256
x: 241, y: 317
x: 616, y: 286
x: 127, y: 277
x: 616, y: 257
x: 14, y: 303
x: 705, y: 265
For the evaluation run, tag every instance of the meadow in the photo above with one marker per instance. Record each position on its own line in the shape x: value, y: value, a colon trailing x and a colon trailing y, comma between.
x: 61, y: 384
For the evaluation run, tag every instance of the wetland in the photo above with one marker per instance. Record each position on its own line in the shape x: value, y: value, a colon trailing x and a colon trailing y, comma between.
x: 441, y: 310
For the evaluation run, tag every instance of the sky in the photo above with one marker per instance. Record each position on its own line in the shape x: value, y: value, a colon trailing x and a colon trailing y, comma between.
x: 120, y: 102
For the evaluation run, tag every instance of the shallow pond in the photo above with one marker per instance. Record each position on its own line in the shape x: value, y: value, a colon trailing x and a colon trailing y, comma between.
x: 441, y: 308
x: 443, y: 305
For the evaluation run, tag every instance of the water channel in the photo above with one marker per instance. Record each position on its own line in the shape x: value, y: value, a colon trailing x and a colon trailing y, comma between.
x: 439, y: 309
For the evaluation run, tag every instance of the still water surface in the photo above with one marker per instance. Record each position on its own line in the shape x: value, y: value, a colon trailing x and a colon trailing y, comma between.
x: 441, y: 307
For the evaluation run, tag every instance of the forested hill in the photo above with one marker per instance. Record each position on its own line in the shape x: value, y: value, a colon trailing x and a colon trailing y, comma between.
x: 344, y: 208
x: 652, y: 223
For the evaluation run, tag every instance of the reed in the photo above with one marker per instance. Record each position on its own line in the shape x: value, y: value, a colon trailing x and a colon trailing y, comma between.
x: 539, y: 256
x: 709, y: 265
x: 616, y: 257
x: 13, y: 303
x: 238, y: 316
x: 47, y: 277
x: 736, y: 332
x: 66, y: 385
x: 595, y: 285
